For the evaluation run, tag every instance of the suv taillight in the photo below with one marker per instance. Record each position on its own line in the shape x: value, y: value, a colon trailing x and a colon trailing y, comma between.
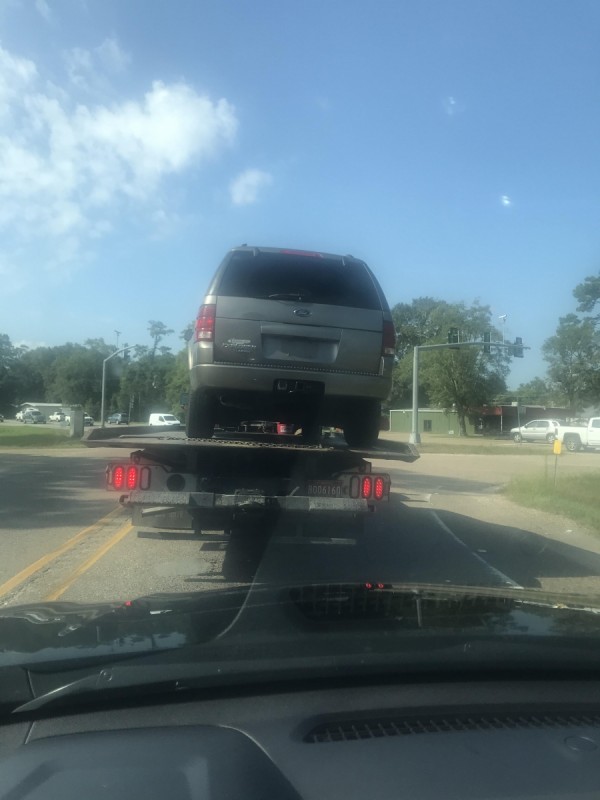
x: 204, y: 329
x: 388, y: 345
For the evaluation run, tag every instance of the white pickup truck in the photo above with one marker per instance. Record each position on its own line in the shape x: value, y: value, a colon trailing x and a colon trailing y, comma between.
x: 580, y: 438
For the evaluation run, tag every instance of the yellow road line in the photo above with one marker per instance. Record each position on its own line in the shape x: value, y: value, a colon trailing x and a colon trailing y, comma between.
x: 26, y: 573
x: 102, y: 551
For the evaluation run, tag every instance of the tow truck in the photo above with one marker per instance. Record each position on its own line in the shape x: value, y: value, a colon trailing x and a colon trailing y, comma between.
x: 221, y: 483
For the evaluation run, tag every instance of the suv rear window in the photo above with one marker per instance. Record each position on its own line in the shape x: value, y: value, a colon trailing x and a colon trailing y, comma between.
x: 310, y: 279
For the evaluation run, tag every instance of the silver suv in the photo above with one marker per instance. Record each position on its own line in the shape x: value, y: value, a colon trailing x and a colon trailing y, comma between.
x: 292, y: 336
x: 538, y: 430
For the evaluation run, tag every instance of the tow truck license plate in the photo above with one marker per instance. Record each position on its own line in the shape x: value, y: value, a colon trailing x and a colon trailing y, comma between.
x: 325, y: 489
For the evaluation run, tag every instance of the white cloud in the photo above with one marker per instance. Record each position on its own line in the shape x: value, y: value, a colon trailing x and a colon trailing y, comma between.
x: 68, y: 171
x: 12, y: 279
x: 452, y: 106
x: 112, y: 55
x: 17, y: 75
x: 86, y: 69
x: 245, y: 188
x: 43, y: 9
x: 78, y: 64
x: 505, y: 201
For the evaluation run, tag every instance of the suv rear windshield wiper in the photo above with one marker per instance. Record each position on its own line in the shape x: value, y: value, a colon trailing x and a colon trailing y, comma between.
x: 301, y: 298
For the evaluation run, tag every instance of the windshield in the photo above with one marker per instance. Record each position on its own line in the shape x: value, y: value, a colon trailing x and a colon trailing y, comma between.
x: 369, y: 456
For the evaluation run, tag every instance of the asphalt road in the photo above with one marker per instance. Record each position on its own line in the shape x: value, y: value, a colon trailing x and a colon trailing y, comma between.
x: 63, y: 537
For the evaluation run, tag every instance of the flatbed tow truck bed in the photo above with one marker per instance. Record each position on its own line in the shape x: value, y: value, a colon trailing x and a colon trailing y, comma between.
x: 171, y: 481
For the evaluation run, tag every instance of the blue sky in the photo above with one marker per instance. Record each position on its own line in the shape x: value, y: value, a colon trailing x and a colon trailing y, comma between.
x: 452, y: 145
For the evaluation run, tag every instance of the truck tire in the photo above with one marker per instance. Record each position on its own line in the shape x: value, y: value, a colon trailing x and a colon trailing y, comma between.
x: 361, y: 428
x: 550, y: 437
x: 573, y: 443
x: 200, y: 419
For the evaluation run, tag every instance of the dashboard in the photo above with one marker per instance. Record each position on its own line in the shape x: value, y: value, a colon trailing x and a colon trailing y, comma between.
x: 462, y: 739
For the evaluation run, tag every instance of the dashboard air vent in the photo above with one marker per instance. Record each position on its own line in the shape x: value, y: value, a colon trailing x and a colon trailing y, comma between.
x: 352, y: 730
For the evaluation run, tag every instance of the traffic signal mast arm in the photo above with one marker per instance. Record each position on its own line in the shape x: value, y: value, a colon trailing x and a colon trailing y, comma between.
x: 516, y: 350
x: 458, y: 345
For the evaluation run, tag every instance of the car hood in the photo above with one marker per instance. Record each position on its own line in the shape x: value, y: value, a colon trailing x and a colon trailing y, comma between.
x: 259, y: 635
x: 38, y: 633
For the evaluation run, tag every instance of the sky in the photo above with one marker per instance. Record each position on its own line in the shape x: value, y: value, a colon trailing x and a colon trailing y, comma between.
x: 451, y: 145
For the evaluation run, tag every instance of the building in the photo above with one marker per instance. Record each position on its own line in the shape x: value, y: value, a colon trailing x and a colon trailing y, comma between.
x: 45, y: 408
x: 440, y: 421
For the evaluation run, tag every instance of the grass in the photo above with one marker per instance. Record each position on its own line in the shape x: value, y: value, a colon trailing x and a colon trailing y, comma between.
x: 574, y: 495
x: 479, y: 445
x: 35, y: 436
x: 485, y: 448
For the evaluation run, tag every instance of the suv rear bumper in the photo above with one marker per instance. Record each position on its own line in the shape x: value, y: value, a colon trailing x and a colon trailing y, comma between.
x: 261, y: 380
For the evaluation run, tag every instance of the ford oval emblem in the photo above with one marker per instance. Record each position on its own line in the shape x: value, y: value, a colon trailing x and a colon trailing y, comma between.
x: 302, y: 312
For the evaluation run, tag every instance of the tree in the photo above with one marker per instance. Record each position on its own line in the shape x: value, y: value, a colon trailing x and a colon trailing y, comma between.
x: 417, y: 323
x: 588, y: 294
x: 462, y: 379
x: 186, y: 333
x: 537, y: 391
x: 573, y: 354
x: 144, y: 384
x: 76, y: 377
x: 158, y: 331
x: 178, y: 383
x: 9, y: 356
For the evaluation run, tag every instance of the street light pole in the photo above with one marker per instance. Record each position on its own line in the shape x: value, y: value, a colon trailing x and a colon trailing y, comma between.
x: 112, y: 355
x: 414, y: 437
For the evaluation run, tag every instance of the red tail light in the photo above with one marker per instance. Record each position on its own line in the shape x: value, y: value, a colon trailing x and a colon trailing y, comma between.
x: 204, y: 329
x: 129, y: 476
x: 132, y: 477
x: 370, y: 487
x: 118, y: 477
x: 388, y: 345
x: 366, y: 487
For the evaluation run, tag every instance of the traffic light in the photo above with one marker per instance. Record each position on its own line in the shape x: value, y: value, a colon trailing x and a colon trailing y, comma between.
x: 487, y: 338
x: 453, y: 336
x: 518, y: 347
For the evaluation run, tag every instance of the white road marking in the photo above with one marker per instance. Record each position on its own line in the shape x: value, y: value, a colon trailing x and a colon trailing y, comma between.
x: 496, y: 572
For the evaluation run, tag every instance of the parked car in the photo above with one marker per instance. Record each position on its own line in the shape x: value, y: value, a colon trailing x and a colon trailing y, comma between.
x: 293, y: 336
x: 87, y: 420
x: 57, y: 416
x: 20, y: 414
x: 34, y: 417
x: 163, y: 419
x: 581, y: 437
x: 118, y: 418
x: 538, y: 430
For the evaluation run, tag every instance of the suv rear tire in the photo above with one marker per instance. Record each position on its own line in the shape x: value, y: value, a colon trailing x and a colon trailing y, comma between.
x: 200, y: 420
x: 361, y: 428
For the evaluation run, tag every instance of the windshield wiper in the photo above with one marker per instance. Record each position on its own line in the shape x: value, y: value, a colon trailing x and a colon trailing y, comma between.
x: 300, y: 298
